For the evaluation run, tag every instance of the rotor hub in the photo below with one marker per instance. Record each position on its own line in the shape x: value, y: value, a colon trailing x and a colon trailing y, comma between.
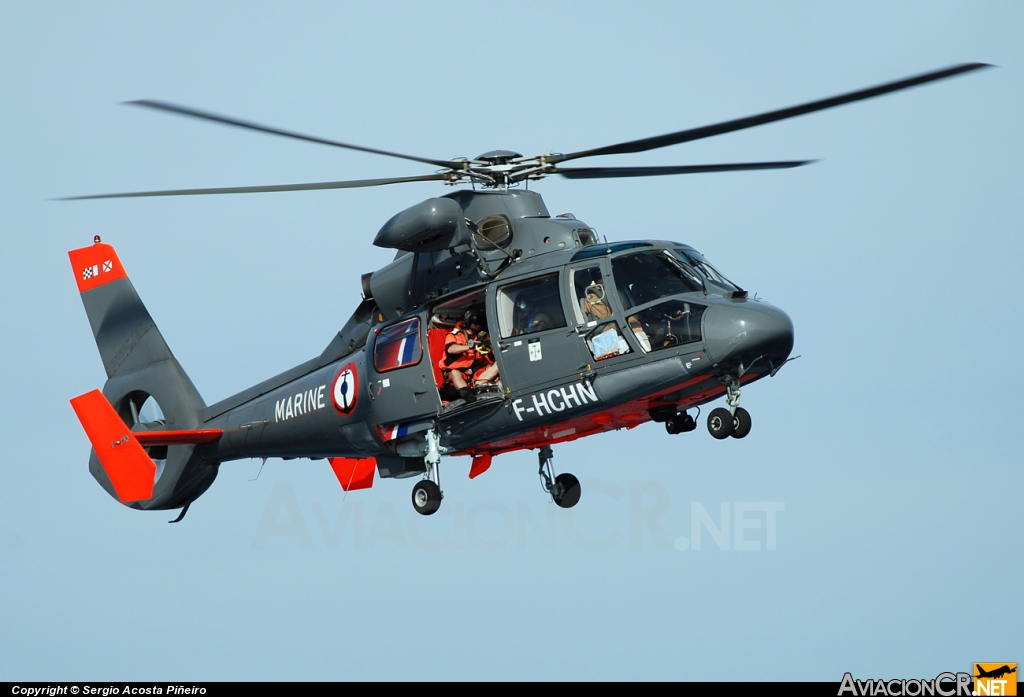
x: 498, y: 157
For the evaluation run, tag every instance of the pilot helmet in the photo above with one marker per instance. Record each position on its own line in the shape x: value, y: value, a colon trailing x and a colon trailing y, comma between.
x: 540, y: 322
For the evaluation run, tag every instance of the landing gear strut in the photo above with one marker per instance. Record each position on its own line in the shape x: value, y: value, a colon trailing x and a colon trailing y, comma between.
x: 734, y: 421
x: 427, y: 495
x: 565, y: 488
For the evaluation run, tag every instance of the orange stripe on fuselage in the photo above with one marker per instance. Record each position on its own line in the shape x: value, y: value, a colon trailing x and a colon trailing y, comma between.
x: 627, y: 415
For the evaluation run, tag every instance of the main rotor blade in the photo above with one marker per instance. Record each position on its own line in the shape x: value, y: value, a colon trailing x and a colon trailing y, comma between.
x: 195, y: 113
x: 612, y: 172
x: 662, y: 141
x: 316, y: 186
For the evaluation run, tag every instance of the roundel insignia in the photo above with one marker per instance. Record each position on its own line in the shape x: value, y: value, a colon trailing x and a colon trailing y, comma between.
x: 345, y: 389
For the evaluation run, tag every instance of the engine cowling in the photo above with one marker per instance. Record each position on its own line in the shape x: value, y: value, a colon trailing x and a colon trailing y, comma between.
x: 429, y: 226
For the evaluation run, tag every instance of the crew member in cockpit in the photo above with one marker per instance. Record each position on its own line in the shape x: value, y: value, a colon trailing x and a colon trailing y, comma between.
x: 594, y: 304
x: 468, y: 360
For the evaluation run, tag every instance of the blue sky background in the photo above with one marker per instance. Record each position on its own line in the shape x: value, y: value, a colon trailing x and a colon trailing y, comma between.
x: 893, y: 444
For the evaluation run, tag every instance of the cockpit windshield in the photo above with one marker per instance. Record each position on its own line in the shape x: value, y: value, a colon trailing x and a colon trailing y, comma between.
x: 698, y: 262
x: 643, y: 277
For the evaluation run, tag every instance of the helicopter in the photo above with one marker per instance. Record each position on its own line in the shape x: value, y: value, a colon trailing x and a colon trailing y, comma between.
x: 497, y: 327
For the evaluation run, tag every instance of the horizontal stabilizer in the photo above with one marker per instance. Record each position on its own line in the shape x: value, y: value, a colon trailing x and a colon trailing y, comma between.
x: 354, y: 473
x: 130, y: 469
x: 192, y: 437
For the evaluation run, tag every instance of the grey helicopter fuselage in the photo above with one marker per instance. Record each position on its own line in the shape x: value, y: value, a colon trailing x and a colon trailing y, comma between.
x: 554, y: 386
x: 674, y: 334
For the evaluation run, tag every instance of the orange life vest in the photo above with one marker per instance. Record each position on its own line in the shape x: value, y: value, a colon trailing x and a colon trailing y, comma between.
x: 466, y: 359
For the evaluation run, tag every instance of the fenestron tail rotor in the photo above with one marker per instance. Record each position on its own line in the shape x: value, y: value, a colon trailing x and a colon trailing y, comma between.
x: 500, y: 168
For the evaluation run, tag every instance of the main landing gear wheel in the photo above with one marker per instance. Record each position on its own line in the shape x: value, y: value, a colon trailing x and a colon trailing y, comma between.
x: 566, y: 492
x: 720, y: 423
x: 740, y: 423
x: 426, y: 497
x: 565, y: 488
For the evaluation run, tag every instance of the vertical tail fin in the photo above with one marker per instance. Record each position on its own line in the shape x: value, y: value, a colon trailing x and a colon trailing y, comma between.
x: 140, y: 367
x: 125, y: 334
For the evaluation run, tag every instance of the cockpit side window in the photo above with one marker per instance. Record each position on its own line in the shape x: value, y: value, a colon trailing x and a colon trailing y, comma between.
x: 667, y: 324
x: 648, y: 276
x: 590, y: 292
x: 530, y: 306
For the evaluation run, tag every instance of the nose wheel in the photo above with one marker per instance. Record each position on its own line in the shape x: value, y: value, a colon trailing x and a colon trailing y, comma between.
x: 720, y: 423
x: 565, y: 488
x: 740, y: 423
x: 734, y: 421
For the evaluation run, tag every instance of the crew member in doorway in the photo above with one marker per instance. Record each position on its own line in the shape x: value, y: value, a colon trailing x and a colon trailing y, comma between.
x: 467, y: 361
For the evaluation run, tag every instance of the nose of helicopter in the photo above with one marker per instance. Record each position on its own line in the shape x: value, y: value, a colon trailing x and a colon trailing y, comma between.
x: 741, y: 333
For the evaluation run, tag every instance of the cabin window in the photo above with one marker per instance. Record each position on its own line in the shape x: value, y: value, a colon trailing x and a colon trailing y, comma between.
x: 530, y: 306
x: 644, y: 277
x: 398, y: 346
